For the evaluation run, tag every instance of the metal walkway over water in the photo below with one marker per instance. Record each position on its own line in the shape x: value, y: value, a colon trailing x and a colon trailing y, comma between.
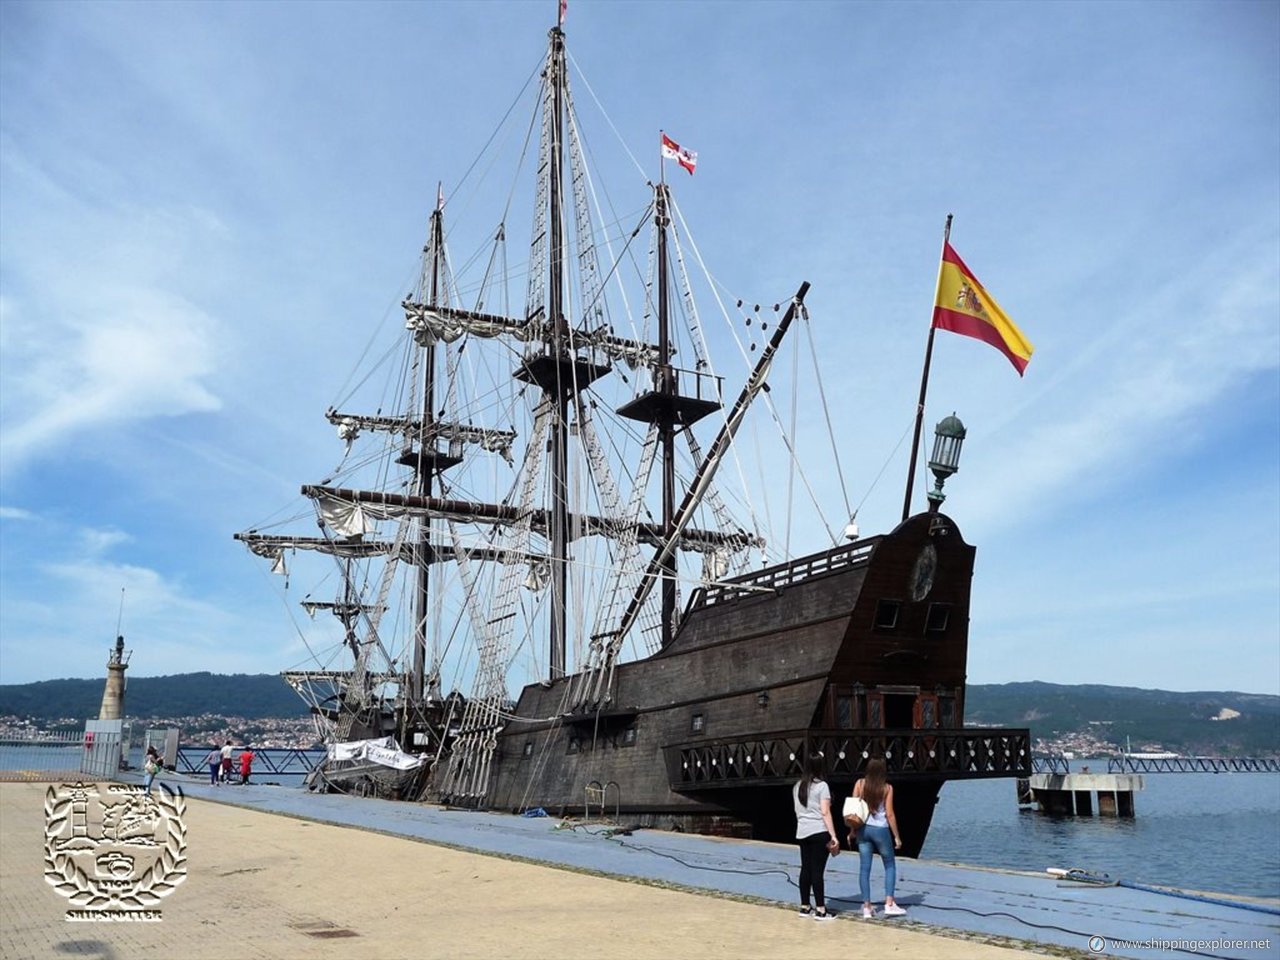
x: 1131, y: 764
x: 1054, y: 764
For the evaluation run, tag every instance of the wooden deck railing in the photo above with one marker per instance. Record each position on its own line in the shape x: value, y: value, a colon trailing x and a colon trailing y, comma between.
x: 969, y: 753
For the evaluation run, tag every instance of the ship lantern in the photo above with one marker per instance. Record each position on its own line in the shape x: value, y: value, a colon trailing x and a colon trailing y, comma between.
x: 948, y: 436
x: 851, y: 530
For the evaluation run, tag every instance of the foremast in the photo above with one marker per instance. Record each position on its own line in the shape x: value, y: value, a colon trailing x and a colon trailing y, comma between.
x: 427, y: 461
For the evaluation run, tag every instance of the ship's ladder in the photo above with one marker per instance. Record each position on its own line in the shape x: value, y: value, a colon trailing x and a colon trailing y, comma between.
x: 468, y: 775
x: 624, y: 528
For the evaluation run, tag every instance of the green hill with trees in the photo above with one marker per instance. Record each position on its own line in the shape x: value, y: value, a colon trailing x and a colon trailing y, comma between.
x: 179, y: 695
x: 1201, y: 722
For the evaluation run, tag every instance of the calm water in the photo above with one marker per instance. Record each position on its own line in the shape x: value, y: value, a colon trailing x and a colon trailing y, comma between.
x: 1203, y: 831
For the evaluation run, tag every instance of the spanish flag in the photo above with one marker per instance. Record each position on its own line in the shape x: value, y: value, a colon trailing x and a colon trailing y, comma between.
x: 963, y: 306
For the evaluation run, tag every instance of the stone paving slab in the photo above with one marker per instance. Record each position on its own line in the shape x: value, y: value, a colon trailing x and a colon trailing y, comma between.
x: 946, y: 897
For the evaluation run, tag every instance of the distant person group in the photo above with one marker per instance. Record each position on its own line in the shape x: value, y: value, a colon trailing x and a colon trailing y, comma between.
x: 221, y: 762
x: 873, y: 827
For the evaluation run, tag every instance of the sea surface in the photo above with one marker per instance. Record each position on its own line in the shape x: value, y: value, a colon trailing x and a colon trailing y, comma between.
x: 1201, y: 831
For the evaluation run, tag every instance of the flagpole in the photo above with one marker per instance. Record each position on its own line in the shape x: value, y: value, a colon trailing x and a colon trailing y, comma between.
x: 924, y: 383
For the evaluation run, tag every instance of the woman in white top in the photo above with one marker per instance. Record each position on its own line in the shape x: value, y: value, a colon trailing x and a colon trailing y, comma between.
x: 816, y: 834
x: 878, y: 835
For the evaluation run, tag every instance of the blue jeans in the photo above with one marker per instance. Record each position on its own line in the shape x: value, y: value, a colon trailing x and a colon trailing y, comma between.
x: 876, y: 840
x: 148, y: 779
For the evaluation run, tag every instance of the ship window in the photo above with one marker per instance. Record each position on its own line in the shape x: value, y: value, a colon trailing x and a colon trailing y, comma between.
x: 528, y: 748
x: 948, y: 705
x: 629, y: 737
x: 887, y: 614
x: 939, y: 617
x: 928, y: 712
x: 698, y: 723
x: 844, y: 713
x: 874, y: 715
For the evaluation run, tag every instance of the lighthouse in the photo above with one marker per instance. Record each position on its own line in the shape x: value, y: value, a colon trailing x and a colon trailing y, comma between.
x: 113, y: 694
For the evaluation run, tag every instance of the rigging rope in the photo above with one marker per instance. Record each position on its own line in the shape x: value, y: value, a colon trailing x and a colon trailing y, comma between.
x: 826, y: 410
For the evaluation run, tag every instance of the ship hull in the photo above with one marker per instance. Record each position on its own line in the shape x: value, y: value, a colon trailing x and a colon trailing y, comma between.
x: 853, y: 653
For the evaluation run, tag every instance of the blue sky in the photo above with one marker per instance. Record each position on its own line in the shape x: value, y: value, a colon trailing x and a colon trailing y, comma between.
x: 205, y: 207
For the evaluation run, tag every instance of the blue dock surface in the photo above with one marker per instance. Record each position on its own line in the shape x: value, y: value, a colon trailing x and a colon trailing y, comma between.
x: 975, y: 902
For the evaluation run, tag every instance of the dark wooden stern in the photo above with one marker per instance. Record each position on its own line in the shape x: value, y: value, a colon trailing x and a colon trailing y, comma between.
x: 856, y: 652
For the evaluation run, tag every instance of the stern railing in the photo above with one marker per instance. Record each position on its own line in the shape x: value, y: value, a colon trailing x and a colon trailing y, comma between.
x: 761, y: 760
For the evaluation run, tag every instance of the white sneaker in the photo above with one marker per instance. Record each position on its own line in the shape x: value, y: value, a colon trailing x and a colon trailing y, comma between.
x: 868, y: 912
x: 893, y: 910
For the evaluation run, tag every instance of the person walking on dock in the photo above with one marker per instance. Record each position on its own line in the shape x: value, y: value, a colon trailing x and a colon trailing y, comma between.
x: 878, y: 835
x: 226, y: 761
x: 246, y: 763
x: 816, y: 834
x: 214, y: 760
x: 150, y: 767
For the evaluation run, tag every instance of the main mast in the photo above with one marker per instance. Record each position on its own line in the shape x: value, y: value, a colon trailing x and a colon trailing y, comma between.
x: 559, y: 349
x: 558, y: 371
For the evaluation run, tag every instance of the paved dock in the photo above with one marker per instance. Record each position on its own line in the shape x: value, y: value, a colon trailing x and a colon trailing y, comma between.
x: 954, y: 911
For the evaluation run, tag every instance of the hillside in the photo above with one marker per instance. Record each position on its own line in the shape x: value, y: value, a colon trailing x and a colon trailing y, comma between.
x: 1182, y: 722
x: 179, y: 695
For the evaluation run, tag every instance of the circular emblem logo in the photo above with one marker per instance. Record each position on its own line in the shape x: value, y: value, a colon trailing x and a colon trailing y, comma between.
x: 114, y: 850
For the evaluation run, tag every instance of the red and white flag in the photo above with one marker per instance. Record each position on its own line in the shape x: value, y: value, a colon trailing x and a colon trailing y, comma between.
x: 564, y: 8
x: 673, y: 151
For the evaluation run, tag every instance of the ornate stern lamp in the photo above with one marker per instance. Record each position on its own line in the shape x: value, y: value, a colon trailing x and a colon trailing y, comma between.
x: 948, y: 436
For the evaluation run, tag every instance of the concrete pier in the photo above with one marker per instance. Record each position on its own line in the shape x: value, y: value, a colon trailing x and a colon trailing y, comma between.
x: 1072, y: 794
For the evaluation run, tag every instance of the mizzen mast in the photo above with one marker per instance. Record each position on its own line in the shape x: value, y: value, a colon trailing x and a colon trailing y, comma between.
x: 701, y: 482
x: 664, y: 407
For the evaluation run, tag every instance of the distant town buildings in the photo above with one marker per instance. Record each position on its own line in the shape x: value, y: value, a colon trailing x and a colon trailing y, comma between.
x: 283, y: 732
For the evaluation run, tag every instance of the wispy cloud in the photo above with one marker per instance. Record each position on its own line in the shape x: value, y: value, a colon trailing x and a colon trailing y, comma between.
x: 132, y: 353
x: 15, y: 513
x: 98, y: 542
x: 171, y: 629
x: 97, y: 330
x: 1108, y: 410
